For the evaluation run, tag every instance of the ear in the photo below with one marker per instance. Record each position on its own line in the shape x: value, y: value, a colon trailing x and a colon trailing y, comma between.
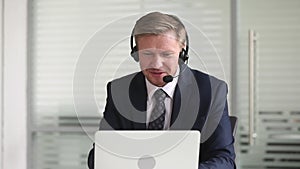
x: 134, y: 53
x: 183, y: 55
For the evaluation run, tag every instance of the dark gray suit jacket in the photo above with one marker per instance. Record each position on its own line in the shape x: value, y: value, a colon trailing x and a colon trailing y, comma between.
x: 199, y: 103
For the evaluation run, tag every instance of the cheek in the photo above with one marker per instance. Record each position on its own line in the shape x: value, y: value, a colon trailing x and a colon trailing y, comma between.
x: 172, y: 63
x: 143, y: 63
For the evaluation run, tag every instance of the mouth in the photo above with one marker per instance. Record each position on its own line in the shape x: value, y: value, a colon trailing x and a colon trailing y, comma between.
x: 156, y: 72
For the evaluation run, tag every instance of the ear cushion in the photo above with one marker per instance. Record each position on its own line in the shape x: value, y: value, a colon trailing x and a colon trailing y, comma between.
x: 134, y: 53
x: 183, y: 55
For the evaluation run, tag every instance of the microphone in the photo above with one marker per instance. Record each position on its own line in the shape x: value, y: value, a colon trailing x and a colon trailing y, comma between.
x: 169, y: 78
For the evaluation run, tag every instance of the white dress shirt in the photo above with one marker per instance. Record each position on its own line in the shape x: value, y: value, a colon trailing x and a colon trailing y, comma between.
x: 169, y: 89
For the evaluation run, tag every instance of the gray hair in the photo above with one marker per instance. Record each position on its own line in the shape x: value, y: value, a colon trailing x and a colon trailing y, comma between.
x: 159, y: 23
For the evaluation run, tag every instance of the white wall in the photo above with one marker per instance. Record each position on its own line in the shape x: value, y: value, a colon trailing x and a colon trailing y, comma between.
x: 14, y: 70
x: 1, y: 84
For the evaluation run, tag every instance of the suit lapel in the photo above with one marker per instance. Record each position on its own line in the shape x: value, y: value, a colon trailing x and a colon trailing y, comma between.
x: 176, y: 105
x: 186, y: 101
x: 138, y: 98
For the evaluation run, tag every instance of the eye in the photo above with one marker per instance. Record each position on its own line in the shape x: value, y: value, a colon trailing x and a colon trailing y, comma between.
x: 146, y: 53
x: 167, y: 54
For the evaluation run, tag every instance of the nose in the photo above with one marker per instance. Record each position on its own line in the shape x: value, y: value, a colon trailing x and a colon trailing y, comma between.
x: 156, y: 61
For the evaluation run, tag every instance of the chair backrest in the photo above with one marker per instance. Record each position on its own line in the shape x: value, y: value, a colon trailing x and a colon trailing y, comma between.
x: 233, y: 121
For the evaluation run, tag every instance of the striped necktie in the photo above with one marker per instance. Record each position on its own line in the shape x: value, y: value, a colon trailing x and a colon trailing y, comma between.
x: 157, y: 118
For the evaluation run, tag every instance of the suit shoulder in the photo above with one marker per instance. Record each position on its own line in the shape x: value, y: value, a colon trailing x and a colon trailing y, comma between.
x: 129, y: 83
x: 126, y: 77
x: 214, y: 81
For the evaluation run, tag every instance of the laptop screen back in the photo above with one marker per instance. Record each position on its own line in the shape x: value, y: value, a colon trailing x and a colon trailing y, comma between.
x: 147, y: 149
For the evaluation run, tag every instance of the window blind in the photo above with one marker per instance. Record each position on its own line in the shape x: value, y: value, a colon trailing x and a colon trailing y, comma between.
x: 62, y: 31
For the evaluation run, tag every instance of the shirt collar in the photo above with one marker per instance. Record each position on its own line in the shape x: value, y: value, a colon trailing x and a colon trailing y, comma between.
x: 169, y: 88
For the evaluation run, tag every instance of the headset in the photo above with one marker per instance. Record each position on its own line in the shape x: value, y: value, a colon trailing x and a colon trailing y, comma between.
x: 183, y: 55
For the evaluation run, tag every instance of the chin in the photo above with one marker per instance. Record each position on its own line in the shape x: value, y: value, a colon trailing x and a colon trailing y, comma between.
x: 159, y: 84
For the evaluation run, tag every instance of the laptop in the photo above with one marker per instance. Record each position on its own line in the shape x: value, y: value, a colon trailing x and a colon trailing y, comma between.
x: 140, y: 149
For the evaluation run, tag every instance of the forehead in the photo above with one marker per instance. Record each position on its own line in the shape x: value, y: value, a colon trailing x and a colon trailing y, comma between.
x: 162, y: 40
x: 169, y: 34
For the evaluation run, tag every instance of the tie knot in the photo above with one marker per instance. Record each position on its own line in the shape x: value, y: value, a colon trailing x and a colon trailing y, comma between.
x: 160, y: 95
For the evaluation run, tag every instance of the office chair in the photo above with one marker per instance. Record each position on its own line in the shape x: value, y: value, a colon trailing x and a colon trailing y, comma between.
x: 233, y: 121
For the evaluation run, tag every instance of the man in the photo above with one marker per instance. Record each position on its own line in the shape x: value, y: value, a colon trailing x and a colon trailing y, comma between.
x: 192, y: 100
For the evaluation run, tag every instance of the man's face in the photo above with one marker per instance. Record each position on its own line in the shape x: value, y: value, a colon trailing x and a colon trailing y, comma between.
x: 158, y: 56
